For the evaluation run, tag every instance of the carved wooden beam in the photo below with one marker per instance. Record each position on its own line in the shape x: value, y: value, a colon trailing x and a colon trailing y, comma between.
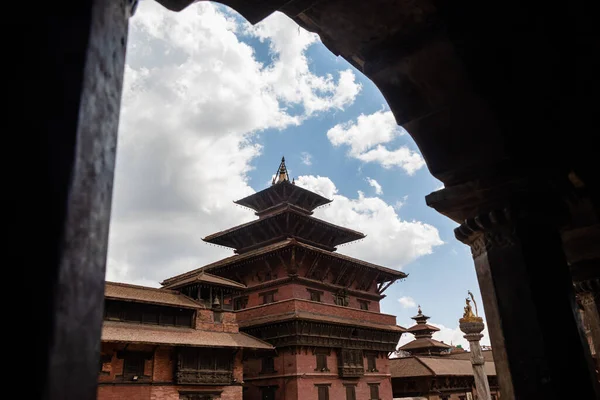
x: 352, y: 278
x: 362, y: 280
x: 287, y: 221
x: 238, y: 276
x: 282, y: 260
x: 313, y: 265
x: 370, y: 283
x: 387, y: 285
x: 326, y: 273
x: 341, y: 273
x: 268, y: 265
x: 298, y: 222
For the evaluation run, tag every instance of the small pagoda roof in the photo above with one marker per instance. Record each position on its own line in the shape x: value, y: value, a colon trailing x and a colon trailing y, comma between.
x: 209, y: 279
x: 144, y: 294
x: 240, y: 259
x: 283, y: 192
x: 424, y: 344
x: 290, y: 222
x: 423, y: 327
x: 123, y: 332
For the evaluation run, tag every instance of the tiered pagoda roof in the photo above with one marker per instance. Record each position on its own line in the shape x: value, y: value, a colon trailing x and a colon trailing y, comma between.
x: 284, y: 212
x: 424, y: 342
x: 286, y: 230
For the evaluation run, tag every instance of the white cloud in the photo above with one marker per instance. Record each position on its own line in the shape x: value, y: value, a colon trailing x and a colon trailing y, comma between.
x: 195, y: 98
x: 306, y: 158
x: 400, y: 203
x: 375, y: 185
x: 407, y: 302
x: 366, y: 137
x: 390, y: 241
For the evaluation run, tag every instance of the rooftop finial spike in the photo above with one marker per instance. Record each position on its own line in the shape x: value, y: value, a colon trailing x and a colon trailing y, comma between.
x: 282, y: 174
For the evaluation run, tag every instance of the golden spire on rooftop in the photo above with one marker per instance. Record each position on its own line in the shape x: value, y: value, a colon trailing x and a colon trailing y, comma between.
x: 282, y: 174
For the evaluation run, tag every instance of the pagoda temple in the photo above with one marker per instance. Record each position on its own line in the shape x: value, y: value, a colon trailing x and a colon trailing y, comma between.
x: 319, y: 308
x: 424, y: 342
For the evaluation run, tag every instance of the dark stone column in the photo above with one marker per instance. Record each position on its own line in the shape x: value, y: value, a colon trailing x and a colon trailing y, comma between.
x: 83, y: 67
x: 539, y: 347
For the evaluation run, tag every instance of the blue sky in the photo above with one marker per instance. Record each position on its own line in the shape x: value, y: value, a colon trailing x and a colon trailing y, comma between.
x: 217, y: 103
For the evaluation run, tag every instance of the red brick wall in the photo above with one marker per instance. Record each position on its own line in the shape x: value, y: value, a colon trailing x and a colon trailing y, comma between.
x: 205, y: 321
x: 160, y: 368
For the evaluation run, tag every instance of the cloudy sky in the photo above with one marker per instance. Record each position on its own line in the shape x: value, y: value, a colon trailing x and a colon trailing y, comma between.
x: 211, y: 104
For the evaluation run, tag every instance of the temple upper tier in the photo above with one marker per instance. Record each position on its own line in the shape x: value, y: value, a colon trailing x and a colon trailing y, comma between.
x: 281, y: 193
x: 284, y: 211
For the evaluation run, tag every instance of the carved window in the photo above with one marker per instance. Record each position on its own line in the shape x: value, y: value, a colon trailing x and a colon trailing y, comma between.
x: 364, y: 305
x: 133, y: 366
x: 240, y: 303
x: 341, y: 300
x: 374, y: 390
x: 268, y: 365
x: 204, y: 366
x: 323, y: 392
x: 268, y: 297
x: 315, y: 295
x: 371, y: 362
x: 350, y: 392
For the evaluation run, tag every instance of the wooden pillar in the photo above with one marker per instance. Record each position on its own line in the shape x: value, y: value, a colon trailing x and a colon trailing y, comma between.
x: 539, y: 347
x: 82, y: 65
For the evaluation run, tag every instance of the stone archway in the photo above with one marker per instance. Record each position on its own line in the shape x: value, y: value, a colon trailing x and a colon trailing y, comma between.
x: 478, y: 86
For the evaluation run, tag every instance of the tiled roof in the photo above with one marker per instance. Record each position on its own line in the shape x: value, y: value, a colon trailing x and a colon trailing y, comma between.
x: 239, y: 258
x: 144, y: 294
x: 437, y: 366
x: 205, y: 277
x: 488, y: 355
x: 423, y: 327
x: 408, y: 367
x: 305, y: 315
x: 121, y: 332
x: 423, y: 343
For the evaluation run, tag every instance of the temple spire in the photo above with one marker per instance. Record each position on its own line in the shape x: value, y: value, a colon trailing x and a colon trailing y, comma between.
x: 282, y: 174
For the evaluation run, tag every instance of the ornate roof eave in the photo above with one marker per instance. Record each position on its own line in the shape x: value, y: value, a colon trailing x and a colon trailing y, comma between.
x: 265, y: 196
x: 258, y: 254
x: 220, y: 237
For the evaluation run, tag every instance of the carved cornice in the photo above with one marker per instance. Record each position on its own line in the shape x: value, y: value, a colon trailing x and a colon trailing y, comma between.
x: 486, y: 231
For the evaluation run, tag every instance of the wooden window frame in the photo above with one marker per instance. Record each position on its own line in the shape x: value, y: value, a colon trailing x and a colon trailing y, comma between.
x: 269, y: 293
x: 376, y: 386
x: 323, y: 357
x: 373, y: 357
x: 318, y: 293
x: 242, y: 301
x: 363, y: 303
x: 322, y: 387
x: 353, y: 391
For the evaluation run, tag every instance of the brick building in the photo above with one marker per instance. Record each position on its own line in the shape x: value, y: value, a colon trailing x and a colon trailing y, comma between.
x: 320, y: 309
x: 429, y: 369
x: 162, y: 344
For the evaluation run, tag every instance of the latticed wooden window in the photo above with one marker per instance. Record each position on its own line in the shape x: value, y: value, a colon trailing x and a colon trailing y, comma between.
x: 374, y: 389
x: 315, y: 295
x: 268, y: 297
x: 323, y: 391
x: 350, y: 392
x: 364, y: 305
